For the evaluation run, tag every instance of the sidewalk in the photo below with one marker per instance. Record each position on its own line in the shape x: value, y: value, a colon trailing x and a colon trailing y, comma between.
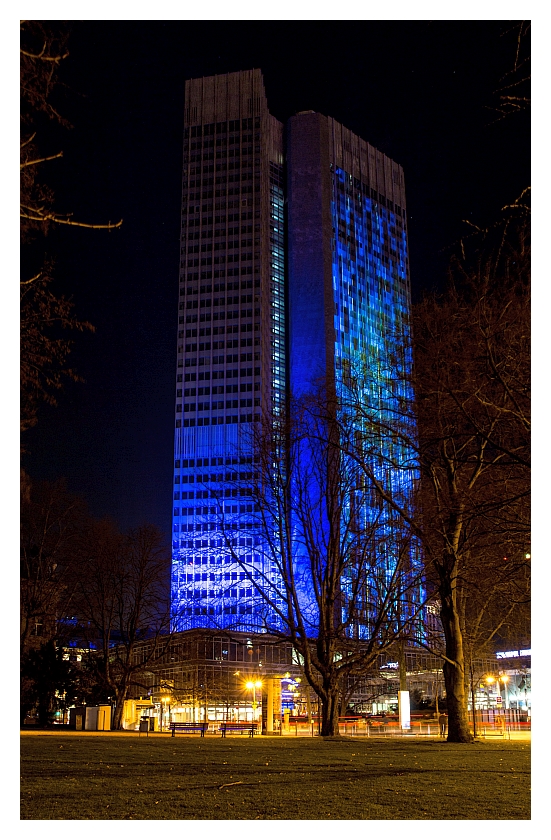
x: 291, y: 733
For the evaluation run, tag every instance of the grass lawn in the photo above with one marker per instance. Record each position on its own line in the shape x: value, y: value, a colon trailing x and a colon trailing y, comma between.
x: 126, y: 777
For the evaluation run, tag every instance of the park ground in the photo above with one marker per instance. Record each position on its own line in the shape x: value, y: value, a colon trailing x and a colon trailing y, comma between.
x: 126, y: 776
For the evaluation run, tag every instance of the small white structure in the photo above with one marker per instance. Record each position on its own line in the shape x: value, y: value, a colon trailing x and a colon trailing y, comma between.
x: 92, y: 718
x: 404, y: 709
x: 98, y: 718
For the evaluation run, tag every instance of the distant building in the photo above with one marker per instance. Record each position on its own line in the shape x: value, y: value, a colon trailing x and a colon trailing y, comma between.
x: 231, y: 336
x: 335, y: 263
x: 349, y: 314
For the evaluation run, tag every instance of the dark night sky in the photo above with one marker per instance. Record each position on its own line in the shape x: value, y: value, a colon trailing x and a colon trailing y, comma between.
x: 420, y: 91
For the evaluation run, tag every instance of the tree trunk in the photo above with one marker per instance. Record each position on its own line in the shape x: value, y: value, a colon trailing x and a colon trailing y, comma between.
x: 401, y: 650
x: 454, y: 674
x: 122, y: 691
x: 330, y: 705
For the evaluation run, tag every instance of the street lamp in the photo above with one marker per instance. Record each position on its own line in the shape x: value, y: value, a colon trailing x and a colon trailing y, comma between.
x: 489, y: 681
x: 504, y: 679
x: 500, y: 678
x: 252, y: 686
x: 164, y: 700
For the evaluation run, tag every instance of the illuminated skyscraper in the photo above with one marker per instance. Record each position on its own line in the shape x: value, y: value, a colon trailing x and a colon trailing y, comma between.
x: 348, y: 261
x: 348, y: 299
x: 231, y: 339
x: 349, y: 317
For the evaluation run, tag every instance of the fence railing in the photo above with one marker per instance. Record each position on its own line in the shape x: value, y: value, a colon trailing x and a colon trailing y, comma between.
x: 424, y: 728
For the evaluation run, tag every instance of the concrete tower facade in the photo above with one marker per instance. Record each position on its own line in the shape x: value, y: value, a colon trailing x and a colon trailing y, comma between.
x: 340, y: 273
x: 231, y: 340
x: 349, y: 326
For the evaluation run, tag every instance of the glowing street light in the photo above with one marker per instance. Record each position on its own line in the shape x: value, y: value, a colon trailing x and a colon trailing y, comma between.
x: 500, y: 678
x: 252, y: 685
x: 165, y: 701
x: 503, y: 678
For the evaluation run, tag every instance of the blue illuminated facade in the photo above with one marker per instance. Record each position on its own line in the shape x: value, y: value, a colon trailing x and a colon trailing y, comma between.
x: 349, y: 296
x: 371, y: 322
x: 268, y: 303
x: 231, y: 346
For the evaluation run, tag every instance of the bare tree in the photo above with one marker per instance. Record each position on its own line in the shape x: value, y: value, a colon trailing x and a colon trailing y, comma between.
x: 124, y: 601
x: 471, y: 441
x: 52, y: 521
x: 513, y: 93
x: 332, y: 572
x: 42, y: 52
x: 45, y: 318
x: 45, y: 315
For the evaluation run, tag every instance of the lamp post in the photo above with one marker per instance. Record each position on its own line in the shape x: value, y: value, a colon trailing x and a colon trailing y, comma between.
x: 489, y: 681
x: 164, y: 700
x: 504, y: 679
x: 252, y: 685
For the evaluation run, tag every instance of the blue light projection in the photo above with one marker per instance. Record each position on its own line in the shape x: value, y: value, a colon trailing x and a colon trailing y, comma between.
x: 209, y: 587
x: 217, y: 554
x: 277, y: 290
x: 373, y: 362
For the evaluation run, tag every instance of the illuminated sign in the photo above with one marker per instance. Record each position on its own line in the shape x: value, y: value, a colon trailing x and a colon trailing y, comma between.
x: 511, y: 654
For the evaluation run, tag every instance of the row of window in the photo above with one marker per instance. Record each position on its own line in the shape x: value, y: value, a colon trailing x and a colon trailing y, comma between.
x: 212, y: 511
x: 216, y: 405
x: 232, y: 373
x: 216, y: 421
x: 230, y: 315
x: 207, y: 303
x: 219, y: 374
x: 207, y: 262
x: 243, y: 191
x: 235, y: 357
x: 206, y: 527
x: 219, y: 360
x: 199, y: 594
x: 218, y: 575
x: 205, y: 331
x: 230, y: 389
x: 222, y: 204
x: 223, y: 245
x: 204, y: 302
x: 186, y: 463
x: 243, y: 183
x: 208, y: 222
x: 228, y: 493
x: 209, y: 178
x: 218, y: 287
x: 229, y: 165
x: 198, y: 611
x: 211, y: 478
x: 207, y: 232
x: 210, y: 129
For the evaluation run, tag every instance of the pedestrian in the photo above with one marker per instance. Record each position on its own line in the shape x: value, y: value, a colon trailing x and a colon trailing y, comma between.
x: 443, y: 721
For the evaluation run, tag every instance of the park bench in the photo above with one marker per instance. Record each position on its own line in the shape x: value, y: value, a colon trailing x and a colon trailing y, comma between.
x: 493, y: 733
x: 238, y: 727
x: 189, y: 727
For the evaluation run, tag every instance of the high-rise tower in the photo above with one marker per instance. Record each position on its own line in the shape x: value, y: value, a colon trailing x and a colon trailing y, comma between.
x: 348, y: 302
x: 231, y: 341
x: 349, y: 323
